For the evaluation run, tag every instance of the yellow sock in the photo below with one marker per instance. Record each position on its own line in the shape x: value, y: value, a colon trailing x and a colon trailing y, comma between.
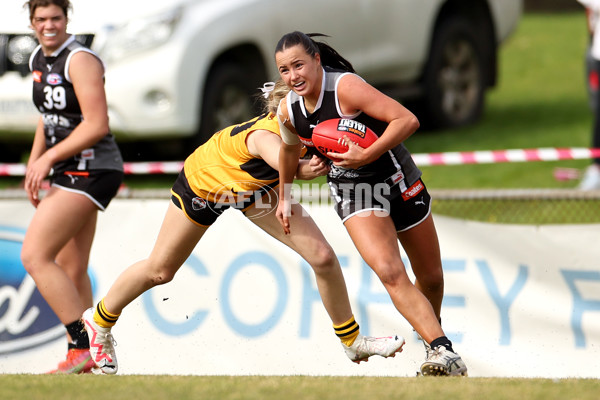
x: 103, y: 317
x: 347, y: 332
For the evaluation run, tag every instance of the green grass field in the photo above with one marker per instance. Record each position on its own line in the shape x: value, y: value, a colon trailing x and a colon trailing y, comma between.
x: 33, y: 387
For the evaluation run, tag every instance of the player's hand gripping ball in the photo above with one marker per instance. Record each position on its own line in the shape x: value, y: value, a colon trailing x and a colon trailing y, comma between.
x: 328, y: 136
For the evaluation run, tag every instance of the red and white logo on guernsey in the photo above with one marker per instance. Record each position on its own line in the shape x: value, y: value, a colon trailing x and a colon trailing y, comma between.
x: 37, y: 76
x: 414, y: 190
x: 306, y: 142
x: 54, y: 79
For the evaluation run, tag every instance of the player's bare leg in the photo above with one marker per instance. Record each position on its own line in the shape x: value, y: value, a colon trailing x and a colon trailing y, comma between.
x: 55, y: 253
x: 176, y: 239
x: 375, y: 238
x: 422, y: 248
x: 308, y: 241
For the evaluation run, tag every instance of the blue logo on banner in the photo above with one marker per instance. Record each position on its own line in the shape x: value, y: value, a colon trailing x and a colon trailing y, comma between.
x: 26, y: 320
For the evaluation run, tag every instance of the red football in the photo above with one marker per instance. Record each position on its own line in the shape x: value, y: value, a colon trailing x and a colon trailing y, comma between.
x: 327, y: 136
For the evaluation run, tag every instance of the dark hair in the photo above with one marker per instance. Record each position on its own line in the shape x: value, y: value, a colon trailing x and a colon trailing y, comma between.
x: 329, y: 56
x: 65, y: 5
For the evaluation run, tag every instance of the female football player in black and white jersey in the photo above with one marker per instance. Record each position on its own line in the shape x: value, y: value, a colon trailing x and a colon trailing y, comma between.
x: 73, y: 145
x: 377, y: 191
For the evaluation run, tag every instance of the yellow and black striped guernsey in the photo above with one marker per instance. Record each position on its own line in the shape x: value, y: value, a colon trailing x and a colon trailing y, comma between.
x: 223, y: 168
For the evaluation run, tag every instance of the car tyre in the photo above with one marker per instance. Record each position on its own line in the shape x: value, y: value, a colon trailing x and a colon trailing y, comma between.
x: 453, y: 80
x: 229, y: 98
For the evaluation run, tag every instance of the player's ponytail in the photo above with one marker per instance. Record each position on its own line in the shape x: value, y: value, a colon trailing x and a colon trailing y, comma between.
x: 329, y: 56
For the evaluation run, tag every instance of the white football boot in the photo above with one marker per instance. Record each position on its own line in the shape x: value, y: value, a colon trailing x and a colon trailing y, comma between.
x: 101, y: 344
x: 443, y: 362
x: 367, y: 346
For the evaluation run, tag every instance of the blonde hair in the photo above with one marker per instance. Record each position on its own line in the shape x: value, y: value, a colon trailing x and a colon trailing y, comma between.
x: 273, y: 93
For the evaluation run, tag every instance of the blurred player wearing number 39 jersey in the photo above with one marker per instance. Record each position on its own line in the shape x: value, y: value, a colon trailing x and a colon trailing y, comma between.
x: 73, y: 145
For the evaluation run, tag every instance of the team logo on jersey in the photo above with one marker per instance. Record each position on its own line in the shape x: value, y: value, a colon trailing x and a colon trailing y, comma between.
x: 37, y: 76
x: 198, y: 203
x: 54, y: 79
x: 88, y: 154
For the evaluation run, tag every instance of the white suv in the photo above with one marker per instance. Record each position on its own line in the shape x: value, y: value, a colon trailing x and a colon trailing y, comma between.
x: 184, y: 68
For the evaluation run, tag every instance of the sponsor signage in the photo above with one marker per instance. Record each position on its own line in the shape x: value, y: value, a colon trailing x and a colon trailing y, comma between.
x: 26, y: 320
x: 519, y: 300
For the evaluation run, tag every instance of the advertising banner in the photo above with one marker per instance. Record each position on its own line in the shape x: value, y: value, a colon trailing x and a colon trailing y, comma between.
x: 520, y: 301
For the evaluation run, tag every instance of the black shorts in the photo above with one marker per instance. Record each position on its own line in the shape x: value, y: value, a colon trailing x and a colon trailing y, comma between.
x: 203, y: 212
x: 100, y: 185
x: 406, y: 208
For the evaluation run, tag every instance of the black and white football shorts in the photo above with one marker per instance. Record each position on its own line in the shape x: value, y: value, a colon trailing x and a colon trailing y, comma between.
x: 100, y: 185
x: 407, y: 208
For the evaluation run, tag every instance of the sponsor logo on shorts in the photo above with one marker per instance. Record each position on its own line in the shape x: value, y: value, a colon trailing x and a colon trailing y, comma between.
x: 413, y: 190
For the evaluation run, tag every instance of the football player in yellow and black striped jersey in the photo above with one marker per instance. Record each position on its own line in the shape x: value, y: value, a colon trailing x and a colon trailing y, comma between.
x: 237, y: 168
x: 229, y: 171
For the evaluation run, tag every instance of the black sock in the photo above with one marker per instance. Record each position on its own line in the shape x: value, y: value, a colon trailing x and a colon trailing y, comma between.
x: 79, y: 336
x: 442, y: 341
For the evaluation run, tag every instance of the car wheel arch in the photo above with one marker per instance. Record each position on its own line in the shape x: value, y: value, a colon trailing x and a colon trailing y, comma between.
x: 244, y: 68
x: 472, y: 19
